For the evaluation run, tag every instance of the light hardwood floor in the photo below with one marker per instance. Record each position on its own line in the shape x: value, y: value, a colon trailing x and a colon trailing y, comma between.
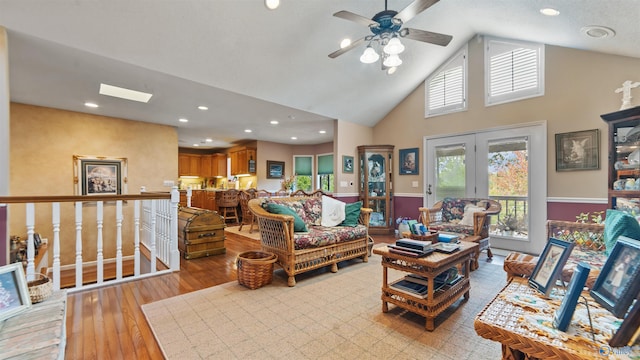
x: 108, y: 323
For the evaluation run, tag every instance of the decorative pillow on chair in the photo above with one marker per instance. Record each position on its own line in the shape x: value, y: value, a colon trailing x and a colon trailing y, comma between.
x: 298, y: 224
x: 469, y: 210
x: 352, y: 214
x: 332, y: 211
x: 452, y: 209
x: 618, y: 223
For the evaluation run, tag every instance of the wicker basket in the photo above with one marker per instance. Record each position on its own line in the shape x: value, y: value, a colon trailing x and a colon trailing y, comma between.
x: 255, y: 268
x: 40, y: 289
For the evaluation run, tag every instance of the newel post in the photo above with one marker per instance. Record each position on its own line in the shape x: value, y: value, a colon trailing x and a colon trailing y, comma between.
x: 174, y: 255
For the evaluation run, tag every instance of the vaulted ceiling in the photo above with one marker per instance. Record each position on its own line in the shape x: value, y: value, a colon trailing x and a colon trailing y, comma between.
x: 250, y: 65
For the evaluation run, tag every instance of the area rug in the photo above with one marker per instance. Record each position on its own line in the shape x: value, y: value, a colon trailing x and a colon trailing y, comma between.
x: 326, y: 315
x: 255, y: 234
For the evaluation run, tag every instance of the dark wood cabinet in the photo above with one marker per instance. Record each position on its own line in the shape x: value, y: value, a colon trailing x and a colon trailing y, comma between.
x: 375, y: 186
x: 624, y: 160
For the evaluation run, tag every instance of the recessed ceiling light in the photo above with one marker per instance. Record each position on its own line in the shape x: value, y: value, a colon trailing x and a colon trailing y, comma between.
x: 202, y: 107
x: 322, y: 132
x: 247, y: 130
x: 294, y: 138
x: 598, y: 32
x: 196, y: 145
x: 344, y: 43
x: 549, y: 12
x: 208, y: 140
x: 183, y: 120
x: 272, y: 4
x: 123, y: 93
x: 90, y: 104
x: 274, y: 122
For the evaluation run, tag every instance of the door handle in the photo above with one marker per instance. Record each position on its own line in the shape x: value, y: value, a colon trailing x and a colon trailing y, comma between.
x: 429, y: 192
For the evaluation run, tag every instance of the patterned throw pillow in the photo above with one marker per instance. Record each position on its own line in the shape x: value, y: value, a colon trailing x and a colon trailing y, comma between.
x: 452, y: 209
x: 617, y: 223
x: 298, y: 224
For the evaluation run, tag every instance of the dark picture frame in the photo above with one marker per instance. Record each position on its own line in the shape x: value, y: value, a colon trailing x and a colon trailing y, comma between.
x: 562, y: 316
x: 275, y: 169
x: 618, y: 283
x: 552, y: 260
x: 99, y: 175
x: 347, y: 164
x: 409, y: 161
x: 578, y: 150
x: 13, y: 288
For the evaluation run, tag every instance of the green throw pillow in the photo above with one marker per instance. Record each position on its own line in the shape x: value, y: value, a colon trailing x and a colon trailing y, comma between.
x: 619, y: 223
x: 352, y: 214
x: 298, y: 224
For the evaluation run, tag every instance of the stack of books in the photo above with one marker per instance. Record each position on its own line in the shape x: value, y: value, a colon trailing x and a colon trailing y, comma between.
x: 418, y: 285
x: 412, y: 248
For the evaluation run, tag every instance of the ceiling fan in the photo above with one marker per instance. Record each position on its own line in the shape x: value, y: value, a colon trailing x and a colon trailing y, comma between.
x: 387, y: 28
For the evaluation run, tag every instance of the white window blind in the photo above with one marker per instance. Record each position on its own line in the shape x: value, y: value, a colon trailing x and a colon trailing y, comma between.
x: 445, y: 89
x: 514, y: 70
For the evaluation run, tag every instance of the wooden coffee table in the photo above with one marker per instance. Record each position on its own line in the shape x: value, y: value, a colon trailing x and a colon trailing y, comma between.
x: 429, y: 267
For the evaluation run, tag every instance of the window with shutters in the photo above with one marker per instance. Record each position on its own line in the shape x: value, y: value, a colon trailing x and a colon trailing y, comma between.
x: 514, y: 70
x: 446, y: 88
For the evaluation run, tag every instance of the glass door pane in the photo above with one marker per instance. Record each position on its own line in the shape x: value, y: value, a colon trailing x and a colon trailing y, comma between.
x: 450, y: 168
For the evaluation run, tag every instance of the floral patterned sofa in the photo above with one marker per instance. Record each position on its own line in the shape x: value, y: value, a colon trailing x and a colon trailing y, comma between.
x: 589, y: 247
x: 465, y: 216
x: 317, y: 246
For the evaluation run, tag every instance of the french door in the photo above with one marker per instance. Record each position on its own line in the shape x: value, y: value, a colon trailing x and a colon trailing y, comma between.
x: 507, y: 165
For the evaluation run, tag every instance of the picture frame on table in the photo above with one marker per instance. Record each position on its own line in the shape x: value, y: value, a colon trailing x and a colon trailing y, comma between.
x: 628, y: 332
x: 564, y: 313
x: 347, y: 164
x: 578, y: 150
x: 618, y: 283
x: 275, y: 169
x: 409, y: 161
x: 13, y: 291
x: 549, y: 267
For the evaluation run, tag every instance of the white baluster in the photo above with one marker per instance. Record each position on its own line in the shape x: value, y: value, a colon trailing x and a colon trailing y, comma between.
x: 55, y: 220
x: 100, y: 255
x: 152, y: 237
x: 78, y: 244
x: 173, y: 226
x: 119, y: 239
x: 31, y: 252
x: 136, y: 238
x: 189, y: 196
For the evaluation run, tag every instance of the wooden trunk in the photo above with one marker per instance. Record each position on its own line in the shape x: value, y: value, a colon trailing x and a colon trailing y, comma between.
x: 200, y: 233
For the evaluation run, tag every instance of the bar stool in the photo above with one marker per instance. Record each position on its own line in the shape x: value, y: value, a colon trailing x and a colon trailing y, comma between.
x: 228, y: 204
x: 247, y: 216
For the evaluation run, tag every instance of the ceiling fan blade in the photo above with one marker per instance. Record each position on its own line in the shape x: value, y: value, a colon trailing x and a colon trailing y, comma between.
x: 414, y: 9
x: 347, y: 15
x: 426, y: 36
x: 337, y: 53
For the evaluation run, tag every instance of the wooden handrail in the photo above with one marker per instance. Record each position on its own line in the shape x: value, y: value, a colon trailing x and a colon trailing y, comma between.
x: 83, y: 198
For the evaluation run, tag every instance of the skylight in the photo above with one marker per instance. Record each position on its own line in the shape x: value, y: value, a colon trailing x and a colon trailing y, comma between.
x: 123, y: 93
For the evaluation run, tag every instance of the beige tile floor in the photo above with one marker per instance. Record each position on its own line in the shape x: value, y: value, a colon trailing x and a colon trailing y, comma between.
x: 325, y: 316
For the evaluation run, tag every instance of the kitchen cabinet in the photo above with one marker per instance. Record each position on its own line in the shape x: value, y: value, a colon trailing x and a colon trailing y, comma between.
x: 208, y: 165
x: 188, y: 165
x: 240, y: 158
x: 375, y: 186
x: 624, y: 160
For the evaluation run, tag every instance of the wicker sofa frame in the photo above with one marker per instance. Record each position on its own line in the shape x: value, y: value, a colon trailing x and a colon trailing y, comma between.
x: 277, y: 236
x: 518, y: 264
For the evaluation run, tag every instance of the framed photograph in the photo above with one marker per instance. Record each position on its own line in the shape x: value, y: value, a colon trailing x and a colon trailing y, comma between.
x: 618, y: 283
x: 14, y: 294
x: 275, y: 169
x: 409, y: 161
x: 628, y: 332
x: 579, y: 150
x: 99, y: 175
x: 347, y: 164
x: 564, y: 313
x: 548, y: 269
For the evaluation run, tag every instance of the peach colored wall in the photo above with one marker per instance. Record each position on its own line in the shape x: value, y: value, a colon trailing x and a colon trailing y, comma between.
x: 43, y: 142
x: 579, y: 87
x: 350, y: 136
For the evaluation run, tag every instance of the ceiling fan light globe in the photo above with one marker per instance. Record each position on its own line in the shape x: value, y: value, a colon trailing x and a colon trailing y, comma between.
x: 369, y: 56
x: 394, y: 47
x: 272, y: 4
x: 392, y: 61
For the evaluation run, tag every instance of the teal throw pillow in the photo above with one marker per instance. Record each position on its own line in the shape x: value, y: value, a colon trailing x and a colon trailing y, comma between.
x: 298, y: 224
x: 352, y: 214
x: 619, y: 223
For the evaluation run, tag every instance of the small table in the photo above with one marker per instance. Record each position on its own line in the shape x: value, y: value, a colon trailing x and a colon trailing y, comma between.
x: 521, y: 328
x: 429, y: 267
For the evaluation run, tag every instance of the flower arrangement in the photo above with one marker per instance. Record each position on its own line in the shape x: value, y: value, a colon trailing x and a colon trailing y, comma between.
x: 402, y: 220
x: 288, y: 183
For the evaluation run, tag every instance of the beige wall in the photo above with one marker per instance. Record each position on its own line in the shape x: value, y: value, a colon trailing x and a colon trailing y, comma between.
x: 579, y: 87
x: 43, y: 142
x: 349, y: 136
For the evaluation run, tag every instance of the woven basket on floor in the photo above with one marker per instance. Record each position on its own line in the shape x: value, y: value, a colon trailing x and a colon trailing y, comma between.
x: 40, y: 288
x: 255, y: 268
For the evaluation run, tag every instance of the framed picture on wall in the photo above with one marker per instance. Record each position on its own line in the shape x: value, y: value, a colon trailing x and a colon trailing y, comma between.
x: 275, y: 169
x: 99, y: 175
x: 579, y: 150
x: 347, y: 164
x: 409, y: 161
